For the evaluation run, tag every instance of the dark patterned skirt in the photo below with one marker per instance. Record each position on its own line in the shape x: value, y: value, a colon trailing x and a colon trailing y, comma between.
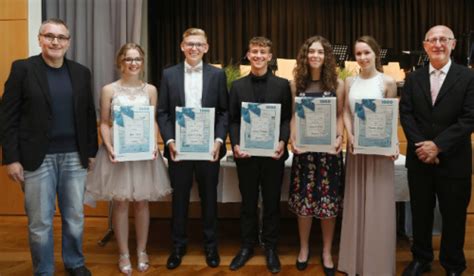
x: 317, y: 185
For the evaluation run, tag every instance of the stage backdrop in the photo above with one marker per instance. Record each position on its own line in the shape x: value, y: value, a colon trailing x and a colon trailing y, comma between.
x: 396, y: 24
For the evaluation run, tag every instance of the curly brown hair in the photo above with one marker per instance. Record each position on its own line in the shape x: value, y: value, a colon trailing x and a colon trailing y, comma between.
x: 367, y: 39
x: 302, y: 72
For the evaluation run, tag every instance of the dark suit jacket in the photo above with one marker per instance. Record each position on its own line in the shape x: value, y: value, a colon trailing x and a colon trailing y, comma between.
x: 449, y: 123
x: 278, y: 91
x: 171, y: 95
x: 26, y: 115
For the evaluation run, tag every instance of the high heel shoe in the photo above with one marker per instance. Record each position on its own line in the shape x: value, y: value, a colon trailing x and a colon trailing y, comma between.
x: 143, y: 262
x: 328, y: 271
x: 124, y: 264
x: 302, y: 265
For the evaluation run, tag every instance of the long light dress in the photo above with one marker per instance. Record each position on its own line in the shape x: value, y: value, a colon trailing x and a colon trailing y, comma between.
x: 368, y: 234
x: 130, y: 180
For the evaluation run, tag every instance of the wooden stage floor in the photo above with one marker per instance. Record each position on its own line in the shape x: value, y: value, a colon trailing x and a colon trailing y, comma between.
x: 15, y: 256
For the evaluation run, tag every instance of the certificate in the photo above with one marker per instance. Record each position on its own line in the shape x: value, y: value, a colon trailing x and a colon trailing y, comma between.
x: 134, y: 132
x: 375, y: 126
x: 316, y: 124
x: 194, y: 133
x: 260, y: 128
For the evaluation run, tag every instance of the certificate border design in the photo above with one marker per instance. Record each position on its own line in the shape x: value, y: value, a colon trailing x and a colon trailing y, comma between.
x: 186, y: 115
x: 312, y: 104
x: 139, y: 151
x: 385, y: 146
x: 259, y: 148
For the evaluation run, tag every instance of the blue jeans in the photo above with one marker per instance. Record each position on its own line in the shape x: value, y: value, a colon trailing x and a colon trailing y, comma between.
x: 61, y: 174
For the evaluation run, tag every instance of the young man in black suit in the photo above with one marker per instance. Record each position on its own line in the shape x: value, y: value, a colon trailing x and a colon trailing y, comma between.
x: 437, y: 115
x: 193, y: 83
x: 49, y: 138
x: 255, y: 173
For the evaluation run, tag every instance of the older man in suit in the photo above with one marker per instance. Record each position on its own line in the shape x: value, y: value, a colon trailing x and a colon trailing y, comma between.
x: 437, y: 115
x: 49, y: 139
x: 193, y: 83
x: 259, y: 173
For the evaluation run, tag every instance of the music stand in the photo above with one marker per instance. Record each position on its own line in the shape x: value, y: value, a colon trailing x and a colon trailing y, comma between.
x: 383, y: 56
x: 423, y: 59
x: 340, y: 53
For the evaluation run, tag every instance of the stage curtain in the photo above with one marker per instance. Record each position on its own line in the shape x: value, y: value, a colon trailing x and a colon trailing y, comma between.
x: 396, y: 24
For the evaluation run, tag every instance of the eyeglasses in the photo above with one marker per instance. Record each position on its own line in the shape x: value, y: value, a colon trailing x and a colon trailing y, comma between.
x: 198, y: 45
x: 442, y: 40
x: 137, y: 60
x: 51, y: 37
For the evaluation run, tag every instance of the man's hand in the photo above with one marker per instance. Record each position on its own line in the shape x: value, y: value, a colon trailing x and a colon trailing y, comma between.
x: 173, y: 152
x: 15, y: 172
x: 427, y: 152
x: 240, y: 154
x: 215, y: 151
x: 279, y: 151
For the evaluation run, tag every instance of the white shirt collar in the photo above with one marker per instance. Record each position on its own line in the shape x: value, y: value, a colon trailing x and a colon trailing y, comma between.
x: 186, y: 65
x: 444, y: 69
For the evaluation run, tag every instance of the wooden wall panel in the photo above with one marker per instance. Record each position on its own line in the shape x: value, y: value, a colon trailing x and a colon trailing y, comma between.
x: 13, y: 9
x: 14, y: 45
x: 470, y: 208
x: 14, y: 31
x: 11, y: 202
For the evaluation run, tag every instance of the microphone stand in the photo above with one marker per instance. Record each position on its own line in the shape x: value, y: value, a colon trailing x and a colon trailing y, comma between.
x: 470, y: 48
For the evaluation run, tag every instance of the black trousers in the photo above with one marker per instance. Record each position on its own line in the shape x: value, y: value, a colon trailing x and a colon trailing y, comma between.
x: 453, y: 196
x: 255, y: 174
x: 182, y: 174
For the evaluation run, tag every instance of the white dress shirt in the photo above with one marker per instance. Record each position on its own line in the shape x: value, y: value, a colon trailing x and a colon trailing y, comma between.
x: 193, y: 85
x: 444, y: 71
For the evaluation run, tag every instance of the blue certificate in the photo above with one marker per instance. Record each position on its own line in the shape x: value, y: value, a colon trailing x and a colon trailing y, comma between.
x: 375, y: 126
x: 316, y: 124
x: 194, y: 133
x: 134, y: 132
x: 260, y: 128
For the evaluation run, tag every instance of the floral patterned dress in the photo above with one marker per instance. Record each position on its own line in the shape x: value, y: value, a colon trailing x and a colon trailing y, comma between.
x: 317, y: 179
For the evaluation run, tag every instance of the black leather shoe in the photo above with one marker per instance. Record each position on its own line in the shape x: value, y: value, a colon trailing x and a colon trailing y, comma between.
x: 174, y: 260
x: 302, y: 265
x: 453, y: 273
x: 241, y: 258
x: 328, y: 271
x: 212, y: 257
x: 78, y: 271
x: 273, y: 262
x: 416, y: 268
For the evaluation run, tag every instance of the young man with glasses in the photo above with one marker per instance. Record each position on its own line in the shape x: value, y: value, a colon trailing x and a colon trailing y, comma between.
x: 437, y: 115
x: 193, y: 83
x: 49, y: 138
